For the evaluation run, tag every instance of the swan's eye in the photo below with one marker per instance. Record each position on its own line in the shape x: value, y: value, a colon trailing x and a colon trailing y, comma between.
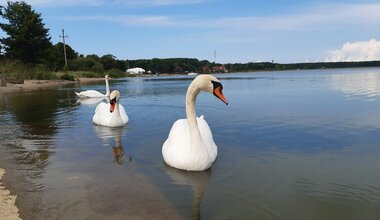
x: 216, y: 85
x: 113, y: 101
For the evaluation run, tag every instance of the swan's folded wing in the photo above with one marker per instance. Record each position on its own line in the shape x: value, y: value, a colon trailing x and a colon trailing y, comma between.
x: 101, y: 107
x: 175, y: 147
x: 180, y: 131
x: 102, y: 114
x: 123, y: 114
x: 207, y: 137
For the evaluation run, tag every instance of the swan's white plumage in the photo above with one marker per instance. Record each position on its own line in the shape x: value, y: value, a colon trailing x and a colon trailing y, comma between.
x: 178, y: 151
x: 94, y: 93
x: 104, y: 117
x: 90, y: 94
x: 190, y: 145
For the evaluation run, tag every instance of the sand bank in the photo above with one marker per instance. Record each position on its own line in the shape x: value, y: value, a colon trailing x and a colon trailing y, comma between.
x: 43, y: 84
x: 8, y: 210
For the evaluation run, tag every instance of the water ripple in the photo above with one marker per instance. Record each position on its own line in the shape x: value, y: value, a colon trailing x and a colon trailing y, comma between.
x: 353, y: 85
x: 335, y: 191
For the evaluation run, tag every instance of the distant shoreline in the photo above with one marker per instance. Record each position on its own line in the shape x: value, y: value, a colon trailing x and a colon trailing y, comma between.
x: 30, y: 85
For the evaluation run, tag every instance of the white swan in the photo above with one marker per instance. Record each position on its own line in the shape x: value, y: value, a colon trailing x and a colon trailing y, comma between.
x: 111, y: 114
x: 190, y: 145
x: 94, y: 93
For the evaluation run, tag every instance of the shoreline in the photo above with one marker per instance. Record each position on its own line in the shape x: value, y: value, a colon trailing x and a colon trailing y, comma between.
x: 8, y: 209
x: 30, y: 85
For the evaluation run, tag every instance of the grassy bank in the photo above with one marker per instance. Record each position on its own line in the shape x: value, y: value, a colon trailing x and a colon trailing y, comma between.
x: 17, y: 70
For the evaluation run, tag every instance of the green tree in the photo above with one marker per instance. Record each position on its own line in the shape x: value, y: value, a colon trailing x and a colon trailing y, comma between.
x: 27, y: 39
x: 58, y: 54
x: 108, y: 61
x: 70, y: 52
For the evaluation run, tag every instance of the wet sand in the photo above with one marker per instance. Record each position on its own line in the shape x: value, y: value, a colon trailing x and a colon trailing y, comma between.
x: 8, y: 209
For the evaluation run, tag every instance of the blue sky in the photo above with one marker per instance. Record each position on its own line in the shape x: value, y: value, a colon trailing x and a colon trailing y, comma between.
x: 285, y: 31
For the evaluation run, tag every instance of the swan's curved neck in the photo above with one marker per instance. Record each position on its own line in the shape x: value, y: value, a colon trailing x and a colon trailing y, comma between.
x: 191, y: 96
x: 107, y: 88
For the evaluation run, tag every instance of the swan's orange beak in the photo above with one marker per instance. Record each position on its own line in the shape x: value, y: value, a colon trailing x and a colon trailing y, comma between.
x: 218, y: 93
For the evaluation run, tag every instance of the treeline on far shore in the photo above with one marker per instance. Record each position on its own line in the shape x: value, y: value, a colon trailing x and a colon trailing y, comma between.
x: 268, y: 66
x: 94, y: 66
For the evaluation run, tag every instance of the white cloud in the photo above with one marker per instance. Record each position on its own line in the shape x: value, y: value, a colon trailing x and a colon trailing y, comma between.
x: 356, y: 51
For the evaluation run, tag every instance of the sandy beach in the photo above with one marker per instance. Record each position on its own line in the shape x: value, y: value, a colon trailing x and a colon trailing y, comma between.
x: 30, y: 85
x: 8, y: 210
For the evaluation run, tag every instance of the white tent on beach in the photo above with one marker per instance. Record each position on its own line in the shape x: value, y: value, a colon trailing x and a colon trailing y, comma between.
x: 136, y: 70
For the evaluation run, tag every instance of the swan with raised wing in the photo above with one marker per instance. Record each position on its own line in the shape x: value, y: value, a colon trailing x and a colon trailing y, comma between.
x: 111, y: 114
x: 190, y: 145
x: 94, y: 93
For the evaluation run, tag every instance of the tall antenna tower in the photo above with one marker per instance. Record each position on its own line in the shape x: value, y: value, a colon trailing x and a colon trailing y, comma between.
x: 214, y: 56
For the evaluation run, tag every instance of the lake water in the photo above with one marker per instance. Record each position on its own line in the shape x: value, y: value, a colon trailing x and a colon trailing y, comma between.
x: 292, y: 145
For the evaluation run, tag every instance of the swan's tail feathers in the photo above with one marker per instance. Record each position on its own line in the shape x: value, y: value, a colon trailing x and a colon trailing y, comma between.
x: 78, y: 94
x: 202, y: 117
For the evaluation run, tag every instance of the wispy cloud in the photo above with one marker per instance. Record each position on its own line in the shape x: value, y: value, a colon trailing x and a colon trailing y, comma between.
x: 322, y: 17
x: 356, y: 51
x: 91, y: 3
x: 57, y: 3
x: 129, y: 20
x: 160, y: 2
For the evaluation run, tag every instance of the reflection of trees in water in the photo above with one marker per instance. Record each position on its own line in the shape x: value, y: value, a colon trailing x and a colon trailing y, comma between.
x: 198, y: 181
x: 27, y: 138
x: 37, y: 111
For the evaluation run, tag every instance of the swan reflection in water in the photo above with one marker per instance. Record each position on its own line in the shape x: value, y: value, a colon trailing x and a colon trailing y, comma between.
x: 107, y: 133
x: 198, y: 181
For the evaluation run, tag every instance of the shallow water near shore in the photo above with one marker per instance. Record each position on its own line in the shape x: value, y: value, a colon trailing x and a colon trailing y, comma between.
x: 291, y: 145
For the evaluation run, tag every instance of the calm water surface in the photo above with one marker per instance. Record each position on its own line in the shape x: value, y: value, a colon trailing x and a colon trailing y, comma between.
x: 292, y: 145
